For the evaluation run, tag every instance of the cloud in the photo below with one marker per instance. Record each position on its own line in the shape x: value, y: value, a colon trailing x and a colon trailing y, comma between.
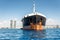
x: 6, y: 23
x: 52, y: 21
x: 18, y: 24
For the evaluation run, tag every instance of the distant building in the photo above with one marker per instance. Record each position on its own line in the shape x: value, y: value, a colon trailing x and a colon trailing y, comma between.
x: 11, y: 23
x: 14, y: 24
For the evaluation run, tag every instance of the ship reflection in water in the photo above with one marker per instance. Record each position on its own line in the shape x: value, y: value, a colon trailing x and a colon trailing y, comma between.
x: 33, y: 34
x: 19, y: 34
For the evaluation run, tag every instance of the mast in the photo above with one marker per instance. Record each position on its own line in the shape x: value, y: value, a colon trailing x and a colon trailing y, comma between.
x: 33, y: 5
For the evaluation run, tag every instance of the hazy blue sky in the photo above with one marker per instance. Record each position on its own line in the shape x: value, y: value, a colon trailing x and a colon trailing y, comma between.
x: 10, y: 9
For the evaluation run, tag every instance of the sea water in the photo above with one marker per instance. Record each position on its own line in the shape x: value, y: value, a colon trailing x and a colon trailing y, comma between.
x: 19, y: 34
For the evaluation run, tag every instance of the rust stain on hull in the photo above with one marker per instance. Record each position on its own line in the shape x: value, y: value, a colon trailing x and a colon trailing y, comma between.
x: 36, y: 26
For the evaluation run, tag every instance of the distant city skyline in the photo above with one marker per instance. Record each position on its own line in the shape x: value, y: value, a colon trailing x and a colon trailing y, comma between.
x: 16, y: 9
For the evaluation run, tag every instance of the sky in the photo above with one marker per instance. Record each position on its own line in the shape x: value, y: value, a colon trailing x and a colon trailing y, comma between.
x: 16, y: 9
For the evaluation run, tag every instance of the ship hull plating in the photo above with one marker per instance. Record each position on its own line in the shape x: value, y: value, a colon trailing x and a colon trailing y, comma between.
x: 35, y: 22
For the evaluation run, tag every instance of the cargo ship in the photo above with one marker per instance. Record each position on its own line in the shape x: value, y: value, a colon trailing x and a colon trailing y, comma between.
x: 34, y: 20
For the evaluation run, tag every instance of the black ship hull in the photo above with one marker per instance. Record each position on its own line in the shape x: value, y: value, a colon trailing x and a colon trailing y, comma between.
x: 33, y: 22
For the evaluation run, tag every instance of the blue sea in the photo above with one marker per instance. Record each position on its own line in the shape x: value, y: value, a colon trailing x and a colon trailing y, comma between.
x: 19, y: 34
